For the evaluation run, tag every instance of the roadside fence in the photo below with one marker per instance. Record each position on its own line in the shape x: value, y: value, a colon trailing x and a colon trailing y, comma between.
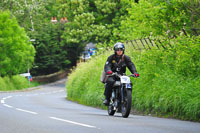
x: 148, y: 43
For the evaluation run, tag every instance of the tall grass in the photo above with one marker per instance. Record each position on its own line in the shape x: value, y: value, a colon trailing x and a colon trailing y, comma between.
x: 83, y: 84
x: 15, y: 82
x: 169, y: 82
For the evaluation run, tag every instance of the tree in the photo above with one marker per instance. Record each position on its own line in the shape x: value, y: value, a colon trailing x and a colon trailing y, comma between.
x: 29, y: 13
x: 17, y: 53
x: 160, y: 18
x: 89, y: 21
x: 51, y: 53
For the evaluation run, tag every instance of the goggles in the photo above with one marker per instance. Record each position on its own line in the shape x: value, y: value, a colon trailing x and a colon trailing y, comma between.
x: 119, y: 49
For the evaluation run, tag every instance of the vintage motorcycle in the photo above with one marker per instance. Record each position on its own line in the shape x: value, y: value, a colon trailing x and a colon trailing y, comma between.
x: 121, y: 98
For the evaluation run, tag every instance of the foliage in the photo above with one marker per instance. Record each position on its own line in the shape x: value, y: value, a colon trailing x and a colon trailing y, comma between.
x: 29, y: 13
x: 88, y: 21
x: 15, y: 82
x: 84, y: 84
x: 100, y: 22
x: 51, y: 53
x: 17, y: 54
x: 160, y: 17
x: 184, y: 56
x: 35, y: 17
x: 169, y: 82
x: 80, y: 32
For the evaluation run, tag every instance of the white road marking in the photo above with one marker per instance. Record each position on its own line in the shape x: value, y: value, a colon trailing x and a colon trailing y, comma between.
x: 31, y: 112
x: 8, y: 106
x: 2, y: 101
x: 6, y: 97
x: 26, y: 111
x: 72, y: 122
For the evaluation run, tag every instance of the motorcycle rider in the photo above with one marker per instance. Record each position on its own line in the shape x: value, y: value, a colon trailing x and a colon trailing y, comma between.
x: 117, y: 62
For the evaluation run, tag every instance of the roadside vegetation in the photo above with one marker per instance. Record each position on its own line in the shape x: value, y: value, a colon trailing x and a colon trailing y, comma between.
x: 15, y: 83
x: 83, y: 84
x: 169, y: 83
x: 168, y: 86
x: 16, y: 51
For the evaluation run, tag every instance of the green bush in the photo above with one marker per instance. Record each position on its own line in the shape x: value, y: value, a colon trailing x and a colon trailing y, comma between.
x: 2, y: 84
x: 8, y: 82
x: 15, y: 82
x: 158, y: 17
x: 170, y: 82
x: 17, y: 53
x: 20, y: 82
x: 83, y: 84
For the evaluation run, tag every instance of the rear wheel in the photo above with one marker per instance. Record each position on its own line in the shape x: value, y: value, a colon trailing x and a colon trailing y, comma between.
x: 126, y: 105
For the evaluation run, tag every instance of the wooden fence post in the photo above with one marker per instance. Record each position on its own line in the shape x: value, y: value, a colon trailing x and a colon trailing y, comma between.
x: 133, y: 44
x: 142, y: 43
x: 147, y: 43
x: 137, y: 44
x: 161, y: 44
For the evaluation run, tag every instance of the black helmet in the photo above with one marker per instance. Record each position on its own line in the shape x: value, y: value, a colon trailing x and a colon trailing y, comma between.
x: 119, y: 45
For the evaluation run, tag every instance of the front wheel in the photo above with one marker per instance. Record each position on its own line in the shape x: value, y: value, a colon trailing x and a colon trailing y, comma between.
x: 111, y: 110
x: 126, y: 105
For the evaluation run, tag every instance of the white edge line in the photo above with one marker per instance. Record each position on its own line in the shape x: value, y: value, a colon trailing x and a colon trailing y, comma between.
x: 9, y: 96
x: 8, y: 106
x: 26, y: 111
x: 72, y: 122
x: 6, y: 97
x: 2, y: 101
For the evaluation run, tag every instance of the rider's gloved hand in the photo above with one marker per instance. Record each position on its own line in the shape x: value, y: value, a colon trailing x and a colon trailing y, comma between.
x: 109, y: 72
x: 136, y: 74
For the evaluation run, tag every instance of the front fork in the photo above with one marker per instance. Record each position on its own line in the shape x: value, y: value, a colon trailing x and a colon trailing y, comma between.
x: 122, y: 94
x: 124, y: 88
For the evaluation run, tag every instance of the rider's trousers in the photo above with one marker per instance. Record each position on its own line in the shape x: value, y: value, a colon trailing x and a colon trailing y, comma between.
x: 108, y: 87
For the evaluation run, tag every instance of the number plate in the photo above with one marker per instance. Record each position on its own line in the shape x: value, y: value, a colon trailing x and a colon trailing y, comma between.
x: 128, y: 85
x: 125, y: 79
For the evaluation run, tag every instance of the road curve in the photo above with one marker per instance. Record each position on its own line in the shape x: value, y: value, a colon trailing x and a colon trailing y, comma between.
x: 46, y: 110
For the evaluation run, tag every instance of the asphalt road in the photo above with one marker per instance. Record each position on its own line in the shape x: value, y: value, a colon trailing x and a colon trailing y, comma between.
x: 46, y: 110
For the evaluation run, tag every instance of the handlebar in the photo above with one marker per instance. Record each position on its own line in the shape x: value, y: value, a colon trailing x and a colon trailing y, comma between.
x: 131, y: 75
x: 118, y: 75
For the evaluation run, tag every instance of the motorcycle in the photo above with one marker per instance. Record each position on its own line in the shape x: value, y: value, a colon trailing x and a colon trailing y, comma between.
x: 121, y: 98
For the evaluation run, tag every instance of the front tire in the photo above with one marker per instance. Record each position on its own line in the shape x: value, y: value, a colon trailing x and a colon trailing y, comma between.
x: 111, y: 110
x: 126, y: 105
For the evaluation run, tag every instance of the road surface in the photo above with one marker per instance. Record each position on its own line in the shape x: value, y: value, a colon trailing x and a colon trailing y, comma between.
x: 46, y: 110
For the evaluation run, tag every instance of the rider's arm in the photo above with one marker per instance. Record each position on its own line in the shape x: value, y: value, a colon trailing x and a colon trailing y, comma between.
x: 130, y: 64
x: 108, y: 64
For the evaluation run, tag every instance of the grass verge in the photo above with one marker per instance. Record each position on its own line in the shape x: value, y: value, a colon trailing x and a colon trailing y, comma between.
x: 15, y: 83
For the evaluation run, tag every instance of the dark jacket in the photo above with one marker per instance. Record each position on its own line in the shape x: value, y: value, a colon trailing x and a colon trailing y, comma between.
x: 114, y: 64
